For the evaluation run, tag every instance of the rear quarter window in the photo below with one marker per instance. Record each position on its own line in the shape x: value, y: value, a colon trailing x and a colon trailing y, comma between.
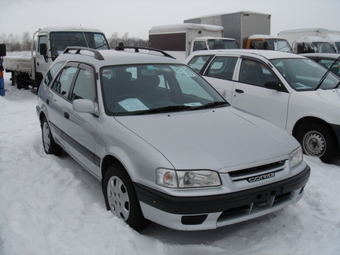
x: 52, y: 72
x: 198, y: 62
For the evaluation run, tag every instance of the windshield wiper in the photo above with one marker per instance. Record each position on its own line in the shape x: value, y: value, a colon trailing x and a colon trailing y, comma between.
x: 175, y: 108
x: 171, y: 108
x: 325, y: 75
x: 210, y: 105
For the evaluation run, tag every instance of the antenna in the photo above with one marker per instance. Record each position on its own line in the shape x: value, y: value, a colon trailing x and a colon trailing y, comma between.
x: 87, y: 45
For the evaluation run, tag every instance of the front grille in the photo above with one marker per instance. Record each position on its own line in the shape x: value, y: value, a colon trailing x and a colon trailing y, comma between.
x: 256, y: 206
x: 243, y: 174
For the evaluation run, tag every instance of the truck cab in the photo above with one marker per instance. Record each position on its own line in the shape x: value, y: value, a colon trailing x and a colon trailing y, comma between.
x: 53, y: 41
x: 28, y: 69
x: 267, y: 42
x: 312, y: 44
x: 213, y: 43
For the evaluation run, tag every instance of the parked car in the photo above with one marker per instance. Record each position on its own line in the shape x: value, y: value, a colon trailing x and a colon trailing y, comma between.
x: 166, y: 146
x: 287, y: 89
x: 328, y: 60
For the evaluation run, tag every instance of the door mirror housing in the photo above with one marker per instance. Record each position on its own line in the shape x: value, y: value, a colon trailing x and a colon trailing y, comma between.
x: 85, y: 106
x: 275, y: 85
x: 43, y: 49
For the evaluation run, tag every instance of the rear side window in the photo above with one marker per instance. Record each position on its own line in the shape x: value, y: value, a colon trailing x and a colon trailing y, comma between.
x: 52, y: 72
x: 222, y: 67
x: 63, y: 81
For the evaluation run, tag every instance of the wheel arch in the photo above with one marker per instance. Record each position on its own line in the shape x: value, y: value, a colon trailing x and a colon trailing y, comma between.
x: 42, y: 115
x: 107, y: 161
x: 308, y: 120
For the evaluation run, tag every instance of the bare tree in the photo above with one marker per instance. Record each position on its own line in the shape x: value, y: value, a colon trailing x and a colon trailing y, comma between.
x: 26, y: 41
x: 114, y: 41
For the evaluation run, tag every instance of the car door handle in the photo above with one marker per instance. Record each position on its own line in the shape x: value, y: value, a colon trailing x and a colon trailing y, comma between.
x: 240, y: 91
x: 66, y: 115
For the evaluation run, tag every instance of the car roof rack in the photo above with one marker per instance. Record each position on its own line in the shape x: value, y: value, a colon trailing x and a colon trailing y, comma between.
x: 121, y: 47
x: 77, y: 50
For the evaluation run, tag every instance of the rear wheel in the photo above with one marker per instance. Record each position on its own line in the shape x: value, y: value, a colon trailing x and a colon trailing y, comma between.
x: 121, y: 199
x: 49, y: 144
x: 317, y: 141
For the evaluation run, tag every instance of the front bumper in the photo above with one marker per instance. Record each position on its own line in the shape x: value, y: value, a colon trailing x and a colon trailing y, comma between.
x: 208, y: 212
x: 336, y: 129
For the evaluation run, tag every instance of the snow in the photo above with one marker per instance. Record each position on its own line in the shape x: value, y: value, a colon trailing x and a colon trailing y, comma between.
x: 51, y: 205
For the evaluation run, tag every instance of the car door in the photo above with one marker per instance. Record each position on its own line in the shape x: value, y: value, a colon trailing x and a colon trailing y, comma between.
x: 251, y: 95
x: 80, y: 128
x: 58, y: 98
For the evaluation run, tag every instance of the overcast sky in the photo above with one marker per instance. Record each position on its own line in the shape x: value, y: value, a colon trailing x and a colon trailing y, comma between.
x: 136, y: 17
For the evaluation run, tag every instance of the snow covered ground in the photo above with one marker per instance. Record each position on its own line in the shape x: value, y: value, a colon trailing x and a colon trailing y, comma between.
x: 51, y: 205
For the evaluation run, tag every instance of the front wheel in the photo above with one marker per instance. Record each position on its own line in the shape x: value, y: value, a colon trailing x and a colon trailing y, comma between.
x: 49, y: 144
x: 120, y: 197
x: 317, y: 141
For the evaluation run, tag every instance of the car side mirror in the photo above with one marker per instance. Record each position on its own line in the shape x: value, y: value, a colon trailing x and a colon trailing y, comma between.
x: 85, y: 106
x: 275, y: 85
x: 43, y: 49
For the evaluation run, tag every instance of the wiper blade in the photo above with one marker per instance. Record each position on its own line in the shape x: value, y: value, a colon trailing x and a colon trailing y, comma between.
x: 175, y: 108
x: 210, y: 105
x: 171, y: 108
x: 325, y: 75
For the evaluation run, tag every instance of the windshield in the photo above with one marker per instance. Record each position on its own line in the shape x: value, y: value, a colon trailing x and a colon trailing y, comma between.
x: 215, y: 44
x: 323, y: 47
x: 61, y: 40
x: 154, y: 88
x: 304, y: 74
x: 278, y: 45
x: 337, y: 44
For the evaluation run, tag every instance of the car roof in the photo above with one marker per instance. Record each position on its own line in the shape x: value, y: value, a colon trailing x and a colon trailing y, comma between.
x: 268, y: 54
x: 322, y: 55
x: 114, y: 57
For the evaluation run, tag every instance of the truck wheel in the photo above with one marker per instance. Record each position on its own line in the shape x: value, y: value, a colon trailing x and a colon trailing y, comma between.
x: 317, y: 141
x: 49, y: 144
x: 120, y: 197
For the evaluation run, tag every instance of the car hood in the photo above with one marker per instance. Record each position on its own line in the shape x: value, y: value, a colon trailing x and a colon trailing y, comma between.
x: 330, y: 96
x: 223, y: 138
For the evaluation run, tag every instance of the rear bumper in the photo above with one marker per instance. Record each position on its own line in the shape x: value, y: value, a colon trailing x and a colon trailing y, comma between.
x: 207, y: 212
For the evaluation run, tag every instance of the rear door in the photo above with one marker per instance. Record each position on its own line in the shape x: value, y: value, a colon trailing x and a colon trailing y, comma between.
x: 220, y: 74
x: 58, y: 97
x: 250, y: 94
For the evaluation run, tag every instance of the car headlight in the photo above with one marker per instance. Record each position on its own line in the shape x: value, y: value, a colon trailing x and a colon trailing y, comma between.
x: 295, y: 157
x: 187, y: 179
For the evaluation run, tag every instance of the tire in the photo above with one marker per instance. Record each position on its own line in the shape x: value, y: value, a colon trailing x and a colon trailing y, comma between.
x: 49, y: 144
x: 317, y: 141
x: 120, y: 197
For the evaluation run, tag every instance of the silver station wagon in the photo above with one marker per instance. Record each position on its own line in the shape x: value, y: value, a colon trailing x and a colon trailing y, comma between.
x: 165, y: 145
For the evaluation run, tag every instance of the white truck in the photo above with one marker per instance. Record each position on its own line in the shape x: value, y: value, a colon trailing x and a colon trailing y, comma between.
x: 179, y: 40
x: 250, y: 29
x: 27, y: 69
x: 334, y: 40
x: 308, y: 40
